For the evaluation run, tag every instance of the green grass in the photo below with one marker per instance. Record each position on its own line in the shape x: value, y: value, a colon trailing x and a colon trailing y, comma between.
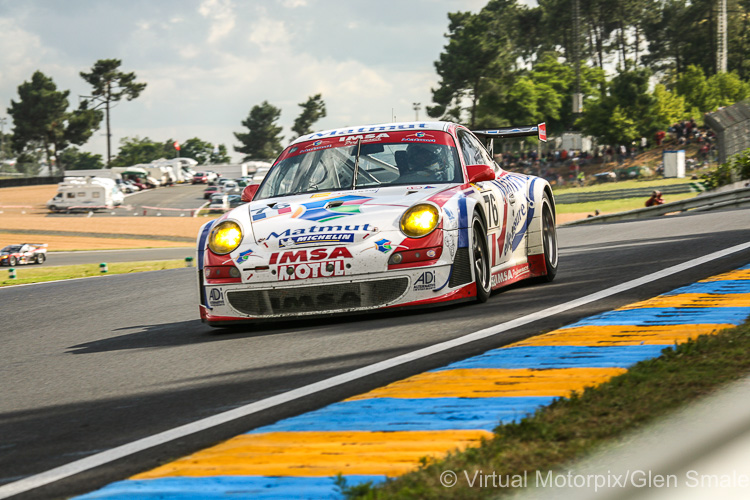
x: 609, y: 206
x: 570, y: 428
x: 37, y: 274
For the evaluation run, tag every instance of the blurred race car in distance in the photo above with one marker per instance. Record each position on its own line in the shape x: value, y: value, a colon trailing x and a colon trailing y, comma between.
x: 377, y: 217
x: 25, y: 253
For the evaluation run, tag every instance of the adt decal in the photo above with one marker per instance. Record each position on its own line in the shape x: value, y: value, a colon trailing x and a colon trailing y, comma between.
x: 216, y: 297
x: 426, y: 281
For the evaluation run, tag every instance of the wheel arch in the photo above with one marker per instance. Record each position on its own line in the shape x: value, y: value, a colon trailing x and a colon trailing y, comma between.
x: 540, y: 187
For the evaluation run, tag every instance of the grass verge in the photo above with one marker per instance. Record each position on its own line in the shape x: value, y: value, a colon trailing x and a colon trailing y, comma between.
x: 38, y: 274
x: 570, y: 428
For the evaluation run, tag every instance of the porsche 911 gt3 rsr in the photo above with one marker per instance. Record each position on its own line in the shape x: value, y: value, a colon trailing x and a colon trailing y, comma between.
x: 377, y: 217
x: 24, y: 253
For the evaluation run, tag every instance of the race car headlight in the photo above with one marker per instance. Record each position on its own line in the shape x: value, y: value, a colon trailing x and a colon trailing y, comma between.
x: 420, y: 220
x: 225, y: 237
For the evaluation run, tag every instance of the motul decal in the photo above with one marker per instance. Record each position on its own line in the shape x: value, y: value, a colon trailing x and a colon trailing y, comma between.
x: 304, y: 271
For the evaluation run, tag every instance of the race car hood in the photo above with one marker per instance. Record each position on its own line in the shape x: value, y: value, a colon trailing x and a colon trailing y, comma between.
x: 345, y: 217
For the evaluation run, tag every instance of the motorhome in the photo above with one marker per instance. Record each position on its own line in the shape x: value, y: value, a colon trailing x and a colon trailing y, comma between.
x: 138, y: 173
x: 180, y: 169
x: 86, y: 194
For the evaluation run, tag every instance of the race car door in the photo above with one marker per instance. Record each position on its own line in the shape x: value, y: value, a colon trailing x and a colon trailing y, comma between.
x: 496, y: 198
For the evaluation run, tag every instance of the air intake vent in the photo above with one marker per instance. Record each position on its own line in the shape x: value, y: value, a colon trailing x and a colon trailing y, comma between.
x: 461, y: 273
x: 320, y: 298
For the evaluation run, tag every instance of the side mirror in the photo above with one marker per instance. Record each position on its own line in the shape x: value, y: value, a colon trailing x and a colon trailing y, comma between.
x: 480, y: 173
x: 249, y: 192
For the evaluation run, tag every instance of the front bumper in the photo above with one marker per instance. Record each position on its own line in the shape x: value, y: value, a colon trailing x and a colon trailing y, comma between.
x: 331, y: 296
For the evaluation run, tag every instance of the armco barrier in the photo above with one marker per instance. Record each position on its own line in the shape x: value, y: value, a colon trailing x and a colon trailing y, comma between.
x: 736, y: 198
x: 29, y: 181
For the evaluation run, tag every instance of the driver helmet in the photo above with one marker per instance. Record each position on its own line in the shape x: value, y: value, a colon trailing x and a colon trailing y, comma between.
x: 425, y: 160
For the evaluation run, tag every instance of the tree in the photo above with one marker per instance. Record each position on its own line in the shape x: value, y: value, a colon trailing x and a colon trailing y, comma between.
x: 41, y: 117
x: 136, y: 150
x: 708, y: 94
x: 669, y: 108
x: 478, y: 57
x: 312, y: 111
x: 73, y: 159
x: 625, y: 113
x: 204, y: 152
x: 110, y: 86
x: 262, y: 141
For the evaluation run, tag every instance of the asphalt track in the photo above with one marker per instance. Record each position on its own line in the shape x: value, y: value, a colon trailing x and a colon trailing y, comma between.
x: 98, y: 363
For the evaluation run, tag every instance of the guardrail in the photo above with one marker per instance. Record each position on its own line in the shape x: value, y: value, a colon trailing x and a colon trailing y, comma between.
x: 620, y: 194
x: 736, y: 198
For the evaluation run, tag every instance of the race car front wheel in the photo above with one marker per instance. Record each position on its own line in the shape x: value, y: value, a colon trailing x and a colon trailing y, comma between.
x: 12, y: 261
x: 481, y: 259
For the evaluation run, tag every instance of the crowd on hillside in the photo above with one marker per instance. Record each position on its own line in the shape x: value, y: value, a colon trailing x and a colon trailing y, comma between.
x: 563, y: 166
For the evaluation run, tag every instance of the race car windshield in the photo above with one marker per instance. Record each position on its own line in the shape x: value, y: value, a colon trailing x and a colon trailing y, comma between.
x: 388, y: 159
x: 11, y: 249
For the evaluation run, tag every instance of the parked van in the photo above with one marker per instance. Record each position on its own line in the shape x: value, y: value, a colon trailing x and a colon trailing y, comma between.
x: 84, y: 194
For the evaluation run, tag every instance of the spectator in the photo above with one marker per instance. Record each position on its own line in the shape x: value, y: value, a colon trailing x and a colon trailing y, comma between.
x: 659, y: 136
x: 655, y: 199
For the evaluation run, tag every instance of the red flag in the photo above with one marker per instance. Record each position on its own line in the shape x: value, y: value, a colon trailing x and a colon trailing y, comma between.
x: 177, y: 145
x: 542, y: 132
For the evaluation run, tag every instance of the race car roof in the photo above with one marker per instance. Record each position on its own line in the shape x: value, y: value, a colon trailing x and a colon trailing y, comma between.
x: 369, y: 129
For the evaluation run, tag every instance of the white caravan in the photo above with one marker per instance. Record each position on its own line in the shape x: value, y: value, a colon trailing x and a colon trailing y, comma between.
x: 84, y: 194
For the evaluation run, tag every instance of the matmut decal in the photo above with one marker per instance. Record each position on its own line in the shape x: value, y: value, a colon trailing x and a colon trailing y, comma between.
x: 292, y: 256
x: 324, y: 269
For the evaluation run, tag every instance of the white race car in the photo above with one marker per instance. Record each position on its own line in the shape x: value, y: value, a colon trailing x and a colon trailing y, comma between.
x: 377, y: 217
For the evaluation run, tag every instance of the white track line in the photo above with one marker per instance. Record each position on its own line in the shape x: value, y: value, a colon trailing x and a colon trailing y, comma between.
x: 119, y: 452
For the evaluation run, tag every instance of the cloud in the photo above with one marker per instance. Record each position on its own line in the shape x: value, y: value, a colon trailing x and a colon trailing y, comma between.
x: 221, y: 13
x: 20, y: 51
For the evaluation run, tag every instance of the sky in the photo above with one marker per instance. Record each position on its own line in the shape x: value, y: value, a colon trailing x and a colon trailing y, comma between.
x: 206, y: 63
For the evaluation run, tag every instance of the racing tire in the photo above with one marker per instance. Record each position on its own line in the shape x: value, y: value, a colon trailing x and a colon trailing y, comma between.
x: 549, y: 240
x: 12, y: 261
x: 40, y: 258
x: 480, y: 258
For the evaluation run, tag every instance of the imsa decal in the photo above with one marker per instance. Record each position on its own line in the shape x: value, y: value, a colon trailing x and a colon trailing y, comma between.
x: 292, y: 256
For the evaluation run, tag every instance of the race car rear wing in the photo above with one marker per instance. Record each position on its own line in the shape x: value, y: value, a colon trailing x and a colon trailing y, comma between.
x: 500, y: 133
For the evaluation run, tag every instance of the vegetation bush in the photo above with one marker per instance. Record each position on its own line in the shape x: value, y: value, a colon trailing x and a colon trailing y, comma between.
x: 736, y: 169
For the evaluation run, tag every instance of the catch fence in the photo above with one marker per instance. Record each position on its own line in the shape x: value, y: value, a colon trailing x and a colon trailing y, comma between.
x: 732, y: 128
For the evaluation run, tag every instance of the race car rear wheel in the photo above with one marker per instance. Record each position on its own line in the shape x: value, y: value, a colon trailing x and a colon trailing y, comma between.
x: 549, y: 240
x: 40, y: 258
x: 481, y: 259
x: 12, y: 261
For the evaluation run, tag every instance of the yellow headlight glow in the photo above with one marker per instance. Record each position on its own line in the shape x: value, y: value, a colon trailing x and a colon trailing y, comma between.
x: 419, y: 220
x: 225, y: 237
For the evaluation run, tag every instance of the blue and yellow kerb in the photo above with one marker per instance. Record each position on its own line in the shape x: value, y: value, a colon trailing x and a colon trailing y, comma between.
x: 385, y: 432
